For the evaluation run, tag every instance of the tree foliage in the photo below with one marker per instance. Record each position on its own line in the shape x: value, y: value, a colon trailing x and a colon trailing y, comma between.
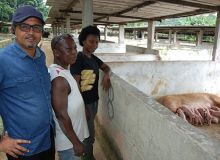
x: 8, y: 7
x: 199, y: 20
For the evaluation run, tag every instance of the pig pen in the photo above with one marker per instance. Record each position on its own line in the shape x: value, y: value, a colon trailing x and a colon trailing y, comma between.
x: 139, y: 128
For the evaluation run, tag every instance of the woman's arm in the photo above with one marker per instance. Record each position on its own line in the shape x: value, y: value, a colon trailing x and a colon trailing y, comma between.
x: 106, y: 83
x: 77, y: 78
x: 59, y: 93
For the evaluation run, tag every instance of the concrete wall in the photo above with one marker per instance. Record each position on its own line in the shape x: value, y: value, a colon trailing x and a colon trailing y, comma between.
x: 135, y: 49
x: 126, y: 57
x: 142, y: 129
x: 170, y: 77
x: 106, y: 47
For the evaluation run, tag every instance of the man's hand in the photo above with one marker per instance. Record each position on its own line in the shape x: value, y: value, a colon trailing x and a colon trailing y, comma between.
x: 12, y: 146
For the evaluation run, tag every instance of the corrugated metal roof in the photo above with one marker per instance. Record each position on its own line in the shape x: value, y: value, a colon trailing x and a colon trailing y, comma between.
x: 123, y: 11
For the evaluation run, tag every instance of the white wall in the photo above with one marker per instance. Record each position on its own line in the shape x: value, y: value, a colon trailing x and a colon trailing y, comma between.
x: 170, y: 77
x: 106, y: 47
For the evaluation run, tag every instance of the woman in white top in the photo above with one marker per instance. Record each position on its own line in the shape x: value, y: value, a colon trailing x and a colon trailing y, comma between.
x: 67, y: 102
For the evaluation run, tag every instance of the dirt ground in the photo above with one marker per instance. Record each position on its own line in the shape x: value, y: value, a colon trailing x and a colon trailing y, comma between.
x: 45, y: 46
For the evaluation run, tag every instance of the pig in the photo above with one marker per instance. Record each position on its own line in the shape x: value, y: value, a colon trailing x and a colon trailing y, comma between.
x: 195, y: 108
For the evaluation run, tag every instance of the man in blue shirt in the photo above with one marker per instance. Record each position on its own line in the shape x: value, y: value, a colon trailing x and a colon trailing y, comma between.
x: 25, y: 101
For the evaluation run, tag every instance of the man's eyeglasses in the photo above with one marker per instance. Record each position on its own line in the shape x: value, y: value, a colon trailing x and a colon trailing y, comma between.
x: 26, y: 27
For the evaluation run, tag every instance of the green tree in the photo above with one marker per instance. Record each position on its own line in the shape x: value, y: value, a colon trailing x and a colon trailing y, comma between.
x: 8, y: 7
x: 200, y: 20
x: 6, y: 10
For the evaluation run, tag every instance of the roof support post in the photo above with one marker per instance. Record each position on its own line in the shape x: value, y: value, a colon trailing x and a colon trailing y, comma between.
x: 87, y: 12
x: 156, y: 37
x: 174, y: 37
x: 55, y: 30
x: 106, y: 32
x: 150, y: 34
x: 170, y: 36
x: 216, y: 48
x: 135, y: 34
x: 121, y: 38
x: 58, y: 29
x: 142, y: 34
x: 62, y: 28
x: 199, y: 37
x: 68, y: 24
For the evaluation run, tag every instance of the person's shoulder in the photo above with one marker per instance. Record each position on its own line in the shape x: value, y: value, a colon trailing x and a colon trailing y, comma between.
x: 79, y: 54
x: 41, y: 51
x: 55, y: 71
x: 94, y: 55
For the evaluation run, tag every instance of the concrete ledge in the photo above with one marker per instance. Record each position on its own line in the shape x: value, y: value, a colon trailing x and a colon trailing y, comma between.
x: 106, y: 47
x: 124, y: 57
x: 143, y: 129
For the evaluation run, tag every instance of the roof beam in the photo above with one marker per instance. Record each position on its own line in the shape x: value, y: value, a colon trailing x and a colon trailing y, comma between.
x: 78, y: 21
x: 147, y: 3
x: 118, y: 14
x: 73, y: 3
x: 104, y: 14
x: 191, y: 4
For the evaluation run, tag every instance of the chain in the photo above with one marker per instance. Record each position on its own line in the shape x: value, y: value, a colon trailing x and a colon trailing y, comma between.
x: 110, y: 100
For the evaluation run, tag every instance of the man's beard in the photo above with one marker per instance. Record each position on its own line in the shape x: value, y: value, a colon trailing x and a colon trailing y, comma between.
x: 30, y: 46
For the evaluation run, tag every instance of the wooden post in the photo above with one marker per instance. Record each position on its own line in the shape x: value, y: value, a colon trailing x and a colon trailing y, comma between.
x: 87, y: 12
x: 121, y: 38
x: 174, y: 37
x: 199, y: 37
x: 68, y: 24
x: 170, y: 36
x: 150, y: 35
x: 216, y: 48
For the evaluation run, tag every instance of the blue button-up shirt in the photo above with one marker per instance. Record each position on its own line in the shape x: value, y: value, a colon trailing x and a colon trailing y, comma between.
x: 25, y: 101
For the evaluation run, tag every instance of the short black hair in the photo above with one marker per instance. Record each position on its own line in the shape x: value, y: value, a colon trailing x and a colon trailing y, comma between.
x: 89, y: 30
x: 56, y: 40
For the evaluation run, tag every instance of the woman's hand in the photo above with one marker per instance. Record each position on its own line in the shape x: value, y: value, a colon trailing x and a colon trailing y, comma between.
x: 12, y: 146
x: 79, y: 149
x: 106, y: 83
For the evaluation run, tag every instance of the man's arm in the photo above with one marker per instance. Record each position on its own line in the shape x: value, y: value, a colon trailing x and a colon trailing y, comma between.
x: 59, y: 93
x: 12, y: 146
